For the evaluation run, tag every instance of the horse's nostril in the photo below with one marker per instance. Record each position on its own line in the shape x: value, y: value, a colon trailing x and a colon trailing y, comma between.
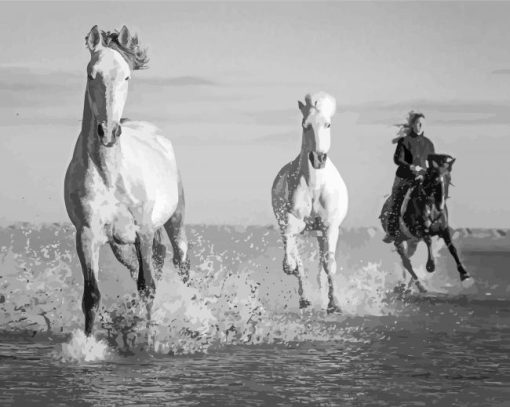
x: 318, y: 160
x: 100, y: 130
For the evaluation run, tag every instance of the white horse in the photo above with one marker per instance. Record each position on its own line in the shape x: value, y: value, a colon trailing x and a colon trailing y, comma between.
x: 122, y: 184
x: 309, y: 194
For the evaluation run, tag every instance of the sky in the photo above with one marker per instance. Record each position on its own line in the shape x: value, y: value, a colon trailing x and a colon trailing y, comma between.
x: 223, y: 83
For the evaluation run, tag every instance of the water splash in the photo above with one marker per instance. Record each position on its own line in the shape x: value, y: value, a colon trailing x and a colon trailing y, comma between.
x: 238, y: 293
x: 82, y: 348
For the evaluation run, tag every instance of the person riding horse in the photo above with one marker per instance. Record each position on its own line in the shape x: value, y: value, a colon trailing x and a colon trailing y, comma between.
x: 411, y: 157
x: 416, y: 211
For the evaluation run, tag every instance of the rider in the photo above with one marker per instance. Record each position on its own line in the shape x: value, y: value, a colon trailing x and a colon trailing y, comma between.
x: 411, y: 157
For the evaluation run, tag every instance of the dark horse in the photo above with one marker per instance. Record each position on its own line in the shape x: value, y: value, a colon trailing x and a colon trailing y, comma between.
x: 424, y: 214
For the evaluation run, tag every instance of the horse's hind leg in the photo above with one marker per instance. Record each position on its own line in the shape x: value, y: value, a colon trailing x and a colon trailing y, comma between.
x: 87, y: 246
x: 431, y: 267
x: 158, y: 253
x: 412, y: 245
x: 175, y: 229
x: 126, y: 255
x: 327, y: 247
x: 448, y: 240
x: 177, y: 235
x: 408, y: 266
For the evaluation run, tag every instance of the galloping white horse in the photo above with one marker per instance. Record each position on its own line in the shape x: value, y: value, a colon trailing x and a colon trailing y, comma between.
x: 122, y: 184
x: 309, y: 194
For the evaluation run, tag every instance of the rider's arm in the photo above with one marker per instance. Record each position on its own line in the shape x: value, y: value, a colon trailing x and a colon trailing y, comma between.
x: 432, y: 149
x: 399, y: 157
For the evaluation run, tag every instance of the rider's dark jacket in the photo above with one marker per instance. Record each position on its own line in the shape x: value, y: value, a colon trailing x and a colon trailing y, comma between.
x: 412, y: 149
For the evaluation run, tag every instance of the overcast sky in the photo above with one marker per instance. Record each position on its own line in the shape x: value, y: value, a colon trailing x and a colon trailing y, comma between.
x: 223, y: 84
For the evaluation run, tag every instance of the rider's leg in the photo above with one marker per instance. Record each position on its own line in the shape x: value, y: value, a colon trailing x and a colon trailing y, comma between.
x: 398, y: 193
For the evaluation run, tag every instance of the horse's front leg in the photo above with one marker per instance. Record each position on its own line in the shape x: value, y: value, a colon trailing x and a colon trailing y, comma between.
x: 448, y: 240
x: 327, y: 248
x: 408, y: 266
x: 430, y: 266
x: 292, y: 264
x: 177, y: 235
x: 145, y: 283
x: 87, y: 246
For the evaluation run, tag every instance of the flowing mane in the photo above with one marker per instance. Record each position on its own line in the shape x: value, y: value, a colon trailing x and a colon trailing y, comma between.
x: 324, y: 103
x: 134, y: 55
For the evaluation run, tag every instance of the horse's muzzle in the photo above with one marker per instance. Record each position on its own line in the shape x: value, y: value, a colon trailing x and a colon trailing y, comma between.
x: 318, y: 160
x: 108, y: 139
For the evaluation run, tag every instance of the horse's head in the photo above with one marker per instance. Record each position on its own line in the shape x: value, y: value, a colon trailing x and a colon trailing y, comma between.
x: 317, y: 111
x: 112, y: 58
x: 437, y: 179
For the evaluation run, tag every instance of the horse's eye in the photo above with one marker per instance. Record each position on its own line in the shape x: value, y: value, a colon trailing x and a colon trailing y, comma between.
x: 126, y: 78
x: 327, y: 125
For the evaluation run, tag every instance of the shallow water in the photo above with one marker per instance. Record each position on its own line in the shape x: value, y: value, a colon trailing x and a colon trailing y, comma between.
x: 236, y: 336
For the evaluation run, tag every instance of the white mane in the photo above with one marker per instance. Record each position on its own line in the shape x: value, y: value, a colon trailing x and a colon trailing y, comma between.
x: 323, y: 102
x: 140, y: 126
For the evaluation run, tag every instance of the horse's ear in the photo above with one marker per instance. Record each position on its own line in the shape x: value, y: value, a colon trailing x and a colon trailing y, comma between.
x: 94, y: 40
x: 302, y: 107
x: 450, y: 163
x: 124, y: 37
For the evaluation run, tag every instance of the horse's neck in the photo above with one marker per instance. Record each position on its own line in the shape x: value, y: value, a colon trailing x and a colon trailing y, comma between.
x: 419, y: 209
x: 105, y: 159
x: 314, y: 178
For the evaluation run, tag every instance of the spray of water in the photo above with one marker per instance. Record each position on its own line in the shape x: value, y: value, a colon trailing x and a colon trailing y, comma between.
x: 81, y: 348
x: 238, y: 293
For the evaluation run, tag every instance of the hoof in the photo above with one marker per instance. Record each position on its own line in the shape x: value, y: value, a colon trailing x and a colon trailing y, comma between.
x: 388, y: 239
x: 431, y: 267
x: 304, y: 303
x: 467, y: 281
x: 333, y: 309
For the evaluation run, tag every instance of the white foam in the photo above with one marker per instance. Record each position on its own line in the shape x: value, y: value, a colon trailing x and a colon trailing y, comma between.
x: 82, y: 348
x: 363, y: 291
